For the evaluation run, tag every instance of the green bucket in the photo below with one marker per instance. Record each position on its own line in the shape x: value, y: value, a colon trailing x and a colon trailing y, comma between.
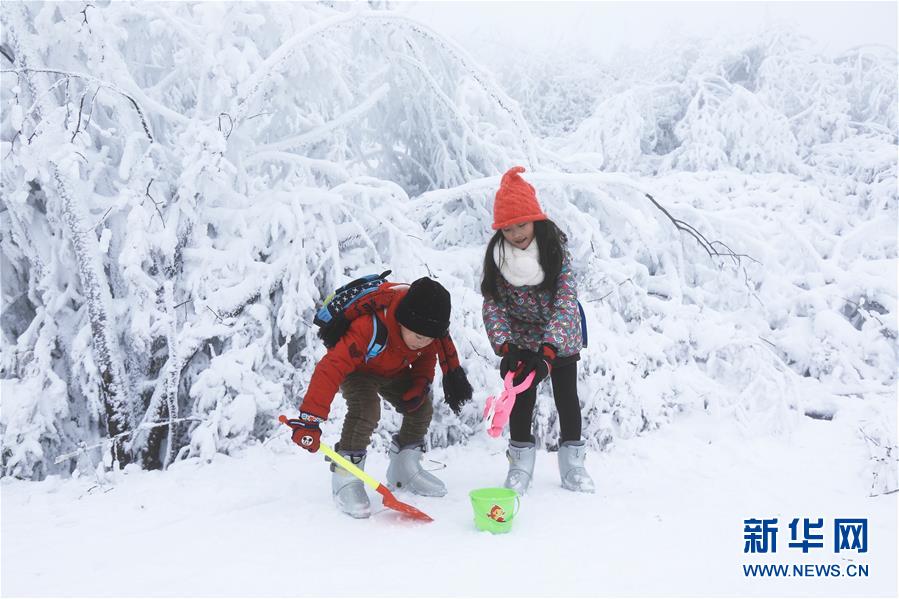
x: 494, y: 508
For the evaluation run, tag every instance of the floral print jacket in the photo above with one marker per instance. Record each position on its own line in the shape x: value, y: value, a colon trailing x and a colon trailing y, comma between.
x: 528, y: 316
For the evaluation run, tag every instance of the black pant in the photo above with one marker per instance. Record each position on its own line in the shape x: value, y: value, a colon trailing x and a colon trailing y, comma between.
x: 564, y: 381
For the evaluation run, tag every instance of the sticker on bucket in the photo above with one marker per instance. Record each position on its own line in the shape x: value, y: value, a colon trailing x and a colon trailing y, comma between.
x: 497, y: 513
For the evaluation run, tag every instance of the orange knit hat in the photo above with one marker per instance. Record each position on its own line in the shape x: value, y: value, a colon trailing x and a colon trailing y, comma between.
x: 515, y: 201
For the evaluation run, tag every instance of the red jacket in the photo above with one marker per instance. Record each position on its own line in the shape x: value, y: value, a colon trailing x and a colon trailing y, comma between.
x: 348, y: 355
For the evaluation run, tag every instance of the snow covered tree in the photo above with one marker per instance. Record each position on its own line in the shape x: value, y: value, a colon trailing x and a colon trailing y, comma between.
x: 183, y: 184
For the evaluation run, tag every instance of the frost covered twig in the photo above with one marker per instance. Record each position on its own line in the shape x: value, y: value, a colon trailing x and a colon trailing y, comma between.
x: 99, y: 222
x: 230, y: 124
x: 708, y: 246
x: 100, y: 83
x: 84, y: 16
x: 475, y: 350
x: 325, y: 130
x: 599, y: 299
x: 78, y: 125
x: 279, y: 59
x: 143, y: 426
x: 155, y: 203
x: 497, y: 95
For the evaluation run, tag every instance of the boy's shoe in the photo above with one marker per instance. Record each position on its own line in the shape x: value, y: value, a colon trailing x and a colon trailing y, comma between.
x: 405, y: 472
x: 348, y: 491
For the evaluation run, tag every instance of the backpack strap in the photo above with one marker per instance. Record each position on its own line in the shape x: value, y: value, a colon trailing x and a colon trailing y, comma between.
x: 378, y: 338
x: 580, y: 309
x: 377, y: 299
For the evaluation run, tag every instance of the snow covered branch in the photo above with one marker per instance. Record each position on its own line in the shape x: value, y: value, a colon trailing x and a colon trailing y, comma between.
x: 105, y: 85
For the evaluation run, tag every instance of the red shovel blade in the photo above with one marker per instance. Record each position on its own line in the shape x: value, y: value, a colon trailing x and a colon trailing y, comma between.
x: 404, y: 508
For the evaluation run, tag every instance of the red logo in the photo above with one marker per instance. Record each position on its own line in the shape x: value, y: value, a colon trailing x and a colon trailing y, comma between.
x: 497, y: 513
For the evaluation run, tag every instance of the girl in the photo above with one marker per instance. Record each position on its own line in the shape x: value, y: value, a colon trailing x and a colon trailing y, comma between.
x: 534, y: 322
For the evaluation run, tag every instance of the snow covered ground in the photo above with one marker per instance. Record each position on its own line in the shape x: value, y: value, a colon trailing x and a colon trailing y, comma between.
x: 667, y: 520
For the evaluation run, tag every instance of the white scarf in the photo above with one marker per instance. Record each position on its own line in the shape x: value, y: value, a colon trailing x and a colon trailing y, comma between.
x: 519, y: 267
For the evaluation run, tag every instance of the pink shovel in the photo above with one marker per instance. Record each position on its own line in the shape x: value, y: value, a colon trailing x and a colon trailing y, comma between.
x: 498, y: 409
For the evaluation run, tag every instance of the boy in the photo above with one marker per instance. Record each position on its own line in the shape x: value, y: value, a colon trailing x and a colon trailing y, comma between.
x: 416, y: 319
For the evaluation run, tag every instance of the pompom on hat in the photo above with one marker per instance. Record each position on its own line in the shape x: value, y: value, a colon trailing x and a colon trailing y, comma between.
x: 515, y: 201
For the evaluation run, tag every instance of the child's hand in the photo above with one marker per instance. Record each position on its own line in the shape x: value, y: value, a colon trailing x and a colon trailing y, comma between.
x: 456, y: 389
x: 511, y: 357
x: 306, y: 431
x: 549, y: 353
x: 414, y: 397
x: 538, y: 363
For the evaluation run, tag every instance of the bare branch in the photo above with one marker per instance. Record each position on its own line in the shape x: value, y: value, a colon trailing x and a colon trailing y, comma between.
x: 708, y: 246
x: 12, y: 144
x: 78, y: 125
x: 886, y: 493
x: 91, y: 113
x: 599, y: 299
x: 734, y: 254
x: 99, y: 222
x: 155, y: 203
x: 7, y: 53
x: 84, y: 14
x: 230, y: 124
x: 66, y: 101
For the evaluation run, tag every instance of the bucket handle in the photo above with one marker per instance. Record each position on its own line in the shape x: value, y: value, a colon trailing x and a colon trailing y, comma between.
x: 517, y: 506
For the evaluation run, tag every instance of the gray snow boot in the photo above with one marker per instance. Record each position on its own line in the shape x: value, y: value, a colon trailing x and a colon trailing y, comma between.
x: 405, y: 472
x: 521, y: 466
x: 348, y: 491
x: 571, y: 467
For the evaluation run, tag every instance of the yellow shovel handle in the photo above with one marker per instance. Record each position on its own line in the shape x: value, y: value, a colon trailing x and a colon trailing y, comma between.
x: 349, y: 466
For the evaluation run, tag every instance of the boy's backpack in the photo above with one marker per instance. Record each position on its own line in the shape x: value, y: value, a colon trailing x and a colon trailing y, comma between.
x: 332, y: 323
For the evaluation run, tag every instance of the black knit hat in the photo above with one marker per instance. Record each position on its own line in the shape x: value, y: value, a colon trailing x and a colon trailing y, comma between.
x: 425, y: 309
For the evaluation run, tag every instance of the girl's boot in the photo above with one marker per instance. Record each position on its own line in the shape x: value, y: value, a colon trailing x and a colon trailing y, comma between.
x: 521, y: 466
x: 571, y: 467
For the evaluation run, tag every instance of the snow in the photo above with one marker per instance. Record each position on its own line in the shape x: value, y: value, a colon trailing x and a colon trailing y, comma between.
x: 667, y: 519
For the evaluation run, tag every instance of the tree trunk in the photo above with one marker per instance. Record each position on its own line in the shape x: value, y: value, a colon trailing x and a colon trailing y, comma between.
x: 114, y: 389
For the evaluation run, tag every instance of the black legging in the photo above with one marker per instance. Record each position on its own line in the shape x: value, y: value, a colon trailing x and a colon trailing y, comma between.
x: 564, y: 381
